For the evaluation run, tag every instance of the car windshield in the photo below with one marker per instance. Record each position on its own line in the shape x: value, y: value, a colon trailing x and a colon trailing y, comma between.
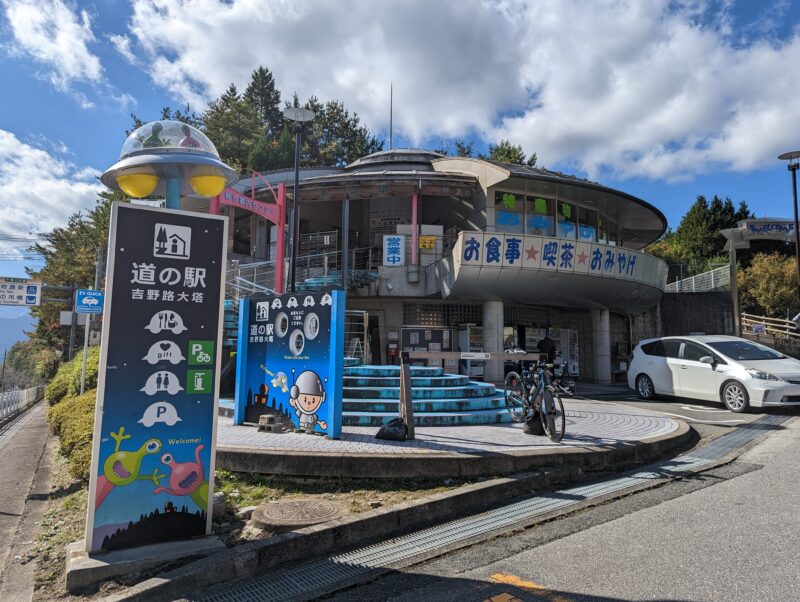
x: 744, y: 350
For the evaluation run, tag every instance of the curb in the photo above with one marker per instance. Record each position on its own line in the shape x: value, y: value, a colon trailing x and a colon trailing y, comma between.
x: 440, y: 465
x: 252, y: 559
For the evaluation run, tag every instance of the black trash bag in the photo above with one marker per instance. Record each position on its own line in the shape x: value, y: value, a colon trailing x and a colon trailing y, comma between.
x: 533, y: 425
x: 394, y: 430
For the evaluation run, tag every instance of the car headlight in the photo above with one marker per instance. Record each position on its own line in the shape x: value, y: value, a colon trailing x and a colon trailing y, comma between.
x: 761, y: 375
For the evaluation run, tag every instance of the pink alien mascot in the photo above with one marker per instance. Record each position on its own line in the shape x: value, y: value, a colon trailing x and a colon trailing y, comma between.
x: 187, y: 478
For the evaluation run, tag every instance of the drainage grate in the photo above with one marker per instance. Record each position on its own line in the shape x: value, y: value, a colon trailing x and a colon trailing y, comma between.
x: 326, y: 573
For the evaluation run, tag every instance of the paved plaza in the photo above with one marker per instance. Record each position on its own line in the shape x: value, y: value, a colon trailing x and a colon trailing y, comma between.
x: 589, y: 424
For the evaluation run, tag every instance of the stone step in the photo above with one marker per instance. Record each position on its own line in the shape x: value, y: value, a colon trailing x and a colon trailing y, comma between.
x: 446, y: 380
x: 427, y: 406
x: 376, y: 419
x: 418, y: 393
x: 391, y: 371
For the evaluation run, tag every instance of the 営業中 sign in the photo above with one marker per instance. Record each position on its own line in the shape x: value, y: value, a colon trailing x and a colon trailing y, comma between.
x: 20, y: 291
x: 88, y: 301
x: 394, y: 249
x: 154, y: 432
x: 289, y: 360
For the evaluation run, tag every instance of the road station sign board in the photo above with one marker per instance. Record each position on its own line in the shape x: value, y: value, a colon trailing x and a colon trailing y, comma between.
x: 88, y: 301
x: 152, y: 471
x: 20, y: 291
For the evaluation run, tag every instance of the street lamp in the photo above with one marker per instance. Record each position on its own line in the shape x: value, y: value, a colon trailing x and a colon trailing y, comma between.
x: 298, y: 116
x: 169, y: 158
x: 792, y: 157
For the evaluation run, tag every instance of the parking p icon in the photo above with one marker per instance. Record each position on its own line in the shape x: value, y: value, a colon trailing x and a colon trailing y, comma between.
x: 201, y: 353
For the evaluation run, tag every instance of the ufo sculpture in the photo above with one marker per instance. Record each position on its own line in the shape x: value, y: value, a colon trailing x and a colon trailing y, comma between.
x: 169, y: 158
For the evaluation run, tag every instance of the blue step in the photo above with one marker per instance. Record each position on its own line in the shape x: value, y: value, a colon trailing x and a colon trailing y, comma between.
x: 425, y: 406
x: 472, y: 390
x: 446, y: 380
x: 476, y: 417
x: 391, y: 371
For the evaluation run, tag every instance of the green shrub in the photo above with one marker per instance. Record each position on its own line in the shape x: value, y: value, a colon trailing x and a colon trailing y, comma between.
x: 67, y: 381
x: 73, y: 421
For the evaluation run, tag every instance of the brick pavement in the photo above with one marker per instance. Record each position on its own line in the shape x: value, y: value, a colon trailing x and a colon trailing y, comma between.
x: 589, y: 423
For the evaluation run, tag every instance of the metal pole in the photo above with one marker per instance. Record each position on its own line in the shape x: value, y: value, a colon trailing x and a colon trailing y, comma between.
x: 74, y: 323
x: 173, y: 193
x: 737, y: 318
x: 88, y: 319
x: 295, y: 207
x: 345, y: 239
x: 793, y: 168
x: 3, y: 373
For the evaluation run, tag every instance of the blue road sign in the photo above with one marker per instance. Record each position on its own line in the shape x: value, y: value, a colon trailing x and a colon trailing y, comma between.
x: 89, y: 301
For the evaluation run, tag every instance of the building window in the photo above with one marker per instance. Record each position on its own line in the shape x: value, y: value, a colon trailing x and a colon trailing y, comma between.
x: 602, y: 230
x: 567, y: 215
x: 587, y: 225
x: 613, y: 233
x: 539, y: 216
x: 508, y: 212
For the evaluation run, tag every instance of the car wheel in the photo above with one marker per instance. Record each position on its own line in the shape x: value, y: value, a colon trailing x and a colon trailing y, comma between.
x: 735, y: 397
x: 644, y: 387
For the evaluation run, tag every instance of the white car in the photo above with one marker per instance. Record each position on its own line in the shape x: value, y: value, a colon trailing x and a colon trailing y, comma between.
x: 737, y: 372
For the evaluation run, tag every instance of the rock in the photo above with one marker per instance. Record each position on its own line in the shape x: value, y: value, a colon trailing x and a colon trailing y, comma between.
x: 246, y: 512
x: 252, y: 531
x: 218, y: 509
x: 375, y: 504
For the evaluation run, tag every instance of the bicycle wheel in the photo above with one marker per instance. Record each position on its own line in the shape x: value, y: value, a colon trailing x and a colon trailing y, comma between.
x: 514, y: 391
x: 552, y: 415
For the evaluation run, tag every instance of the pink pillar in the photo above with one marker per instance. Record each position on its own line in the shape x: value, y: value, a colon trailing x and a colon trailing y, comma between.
x: 213, y: 205
x: 280, y: 243
x: 414, y: 228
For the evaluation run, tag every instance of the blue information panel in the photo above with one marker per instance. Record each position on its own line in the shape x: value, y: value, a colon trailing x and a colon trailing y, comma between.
x: 289, y: 360
x: 88, y: 301
x: 152, y: 472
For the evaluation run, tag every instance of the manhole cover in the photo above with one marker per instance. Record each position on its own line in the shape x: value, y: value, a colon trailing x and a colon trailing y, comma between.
x: 295, y: 513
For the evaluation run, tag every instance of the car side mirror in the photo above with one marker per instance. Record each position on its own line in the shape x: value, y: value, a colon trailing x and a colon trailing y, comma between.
x: 707, y: 359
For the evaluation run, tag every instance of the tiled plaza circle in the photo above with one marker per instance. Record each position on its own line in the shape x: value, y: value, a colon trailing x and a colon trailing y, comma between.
x: 589, y: 423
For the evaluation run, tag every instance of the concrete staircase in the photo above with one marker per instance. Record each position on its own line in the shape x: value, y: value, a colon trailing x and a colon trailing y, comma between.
x: 371, y: 397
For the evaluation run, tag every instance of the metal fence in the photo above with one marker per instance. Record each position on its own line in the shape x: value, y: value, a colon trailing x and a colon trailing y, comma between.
x: 12, y: 402
x: 713, y: 280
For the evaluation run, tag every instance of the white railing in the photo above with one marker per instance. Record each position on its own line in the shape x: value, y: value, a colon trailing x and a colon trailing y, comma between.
x: 713, y: 280
x: 12, y: 402
x: 773, y: 327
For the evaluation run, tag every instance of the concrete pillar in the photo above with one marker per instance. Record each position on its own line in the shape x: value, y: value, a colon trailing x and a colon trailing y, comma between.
x: 493, y: 339
x: 601, y: 345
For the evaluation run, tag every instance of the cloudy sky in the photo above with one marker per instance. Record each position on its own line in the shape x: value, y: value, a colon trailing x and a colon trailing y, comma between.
x: 663, y: 99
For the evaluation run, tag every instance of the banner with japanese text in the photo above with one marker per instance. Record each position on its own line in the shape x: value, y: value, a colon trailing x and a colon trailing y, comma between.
x: 155, y: 422
x: 517, y: 251
x: 289, y: 360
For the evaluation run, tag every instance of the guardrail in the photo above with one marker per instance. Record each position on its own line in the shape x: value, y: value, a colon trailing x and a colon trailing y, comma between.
x: 713, y: 280
x: 12, y: 402
x: 775, y: 327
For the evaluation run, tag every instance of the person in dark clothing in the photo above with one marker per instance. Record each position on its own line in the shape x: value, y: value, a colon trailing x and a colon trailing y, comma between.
x: 548, y: 346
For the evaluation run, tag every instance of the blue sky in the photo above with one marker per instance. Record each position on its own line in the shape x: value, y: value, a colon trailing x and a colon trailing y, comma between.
x: 662, y: 99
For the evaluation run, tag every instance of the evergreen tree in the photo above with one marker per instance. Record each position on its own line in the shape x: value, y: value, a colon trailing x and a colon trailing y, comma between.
x: 273, y: 154
x: 265, y: 98
x: 233, y: 126
x: 505, y: 152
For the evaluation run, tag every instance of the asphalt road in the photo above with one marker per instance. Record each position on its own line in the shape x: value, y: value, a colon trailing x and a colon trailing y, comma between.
x: 726, y: 534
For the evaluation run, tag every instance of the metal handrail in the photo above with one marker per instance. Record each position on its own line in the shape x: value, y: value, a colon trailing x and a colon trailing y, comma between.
x: 712, y: 280
x: 15, y: 401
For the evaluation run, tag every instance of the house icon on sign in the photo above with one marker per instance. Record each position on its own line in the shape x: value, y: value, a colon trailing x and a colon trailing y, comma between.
x: 171, y: 241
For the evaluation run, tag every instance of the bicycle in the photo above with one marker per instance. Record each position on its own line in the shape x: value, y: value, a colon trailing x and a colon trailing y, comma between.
x: 533, y: 394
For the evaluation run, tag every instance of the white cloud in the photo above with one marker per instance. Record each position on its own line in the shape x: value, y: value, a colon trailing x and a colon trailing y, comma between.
x: 656, y: 88
x: 40, y: 190
x: 58, y: 38
x: 122, y: 44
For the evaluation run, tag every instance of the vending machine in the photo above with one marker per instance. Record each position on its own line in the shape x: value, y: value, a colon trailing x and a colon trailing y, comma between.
x: 470, y: 338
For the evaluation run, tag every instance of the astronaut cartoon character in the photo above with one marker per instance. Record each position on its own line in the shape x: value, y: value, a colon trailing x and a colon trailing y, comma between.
x: 306, y: 396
